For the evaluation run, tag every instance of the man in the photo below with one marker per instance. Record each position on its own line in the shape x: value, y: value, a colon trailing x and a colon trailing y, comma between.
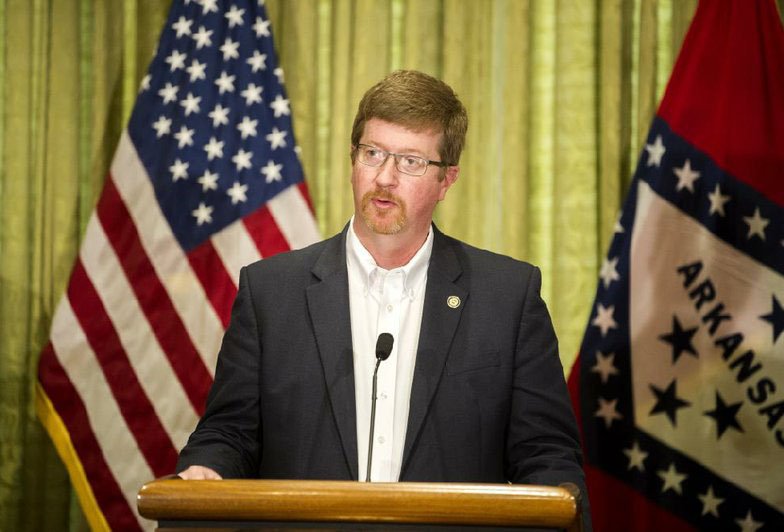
x: 473, y: 389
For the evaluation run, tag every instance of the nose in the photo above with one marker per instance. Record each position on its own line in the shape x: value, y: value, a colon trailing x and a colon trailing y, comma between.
x: 386, y: 175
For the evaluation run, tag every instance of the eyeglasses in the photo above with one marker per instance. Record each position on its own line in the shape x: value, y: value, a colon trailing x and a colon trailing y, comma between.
x: 408, y: 164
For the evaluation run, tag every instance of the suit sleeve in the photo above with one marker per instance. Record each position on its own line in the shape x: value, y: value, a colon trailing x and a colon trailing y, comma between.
x: 543, y: 445
x: 227, y: 437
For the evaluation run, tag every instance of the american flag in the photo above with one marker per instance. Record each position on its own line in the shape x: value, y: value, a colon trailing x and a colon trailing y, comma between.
x: 206, y: 179
x: 680, y: 379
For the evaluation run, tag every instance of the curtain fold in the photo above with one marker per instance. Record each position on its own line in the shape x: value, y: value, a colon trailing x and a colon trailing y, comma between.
x: 560, y: 95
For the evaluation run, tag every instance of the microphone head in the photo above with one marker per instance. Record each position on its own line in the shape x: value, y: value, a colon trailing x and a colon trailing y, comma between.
x: 384, y: 346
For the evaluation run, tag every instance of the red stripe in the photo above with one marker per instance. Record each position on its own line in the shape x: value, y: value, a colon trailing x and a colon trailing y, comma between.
x: 70, y: 407
x: 166, y: 323
x: 209, y: 268
x: 135, y: 406
x: 265, y: 233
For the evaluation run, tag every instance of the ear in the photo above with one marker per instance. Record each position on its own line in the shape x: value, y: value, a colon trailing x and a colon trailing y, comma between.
x: 451, y: 174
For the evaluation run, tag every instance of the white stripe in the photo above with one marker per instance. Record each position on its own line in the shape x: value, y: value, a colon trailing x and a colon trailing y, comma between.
x: 125, y: 460
x: 294, y: 218
x: 170, y: 263
x: 236, y: 249
x: 152, y: 367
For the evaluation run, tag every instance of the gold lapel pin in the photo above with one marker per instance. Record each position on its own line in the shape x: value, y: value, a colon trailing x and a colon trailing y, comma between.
x: 453, y: 301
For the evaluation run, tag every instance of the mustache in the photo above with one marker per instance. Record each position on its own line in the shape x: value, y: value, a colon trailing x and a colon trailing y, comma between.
x: 381, y: 194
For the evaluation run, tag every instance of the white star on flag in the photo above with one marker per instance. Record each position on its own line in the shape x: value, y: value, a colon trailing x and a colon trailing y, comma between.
x: 636, y: 457
x: 607, y: 411
x: 261, y: 27
x: 605, y: 366
x: 252, y: 94
x: 247, y: 127
x: 219, y: 115
x: 230, y: 49
x: 710, y: 503
x: 176, y: 60
x: 280, y: 106
x: 277, y: 138
x: 242, y: 159
x: 208, y: 181
x: 757, y: 224
x: 225, y: 82
x: 655, y: 152
x: 272, y: 171
x: 197, y: 70
x: 609, y: 272
x: 184, y: 137
x: 209, y: 6
x: 237, y: 193
x: 179, y: 170
x: 234, y: 16
x: 258, y: 61
x: 604, y: 318
x: 203, y: 214
x: 182, y: 26
x: 191, y: 104
x: 686, y: 176
x: 162, y: 126
x: 145, y: 84
x: 214, y: 148
x: 748, y: 524
x: 203, y: 37
x: 168, y: 93
x: 671, y: 479
x: 717, y: 201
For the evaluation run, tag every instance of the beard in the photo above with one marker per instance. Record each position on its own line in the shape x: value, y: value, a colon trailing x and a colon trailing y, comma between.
x: 383, y: 221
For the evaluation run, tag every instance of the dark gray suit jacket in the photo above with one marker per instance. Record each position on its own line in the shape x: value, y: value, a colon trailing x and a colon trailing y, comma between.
x: 488, y: 402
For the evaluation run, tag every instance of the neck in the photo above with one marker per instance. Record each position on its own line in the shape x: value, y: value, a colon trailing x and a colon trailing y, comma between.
x: 390, y: 251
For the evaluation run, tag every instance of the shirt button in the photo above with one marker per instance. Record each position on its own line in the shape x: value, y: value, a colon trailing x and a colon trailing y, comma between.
x: 381, y: 439
x: 389, y: 308
x: 383, y: 395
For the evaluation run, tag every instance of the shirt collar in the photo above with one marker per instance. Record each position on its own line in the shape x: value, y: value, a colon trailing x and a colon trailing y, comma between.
x: 414, y: 272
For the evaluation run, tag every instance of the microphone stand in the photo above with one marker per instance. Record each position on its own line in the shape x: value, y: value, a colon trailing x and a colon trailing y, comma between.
x: 372, y: 419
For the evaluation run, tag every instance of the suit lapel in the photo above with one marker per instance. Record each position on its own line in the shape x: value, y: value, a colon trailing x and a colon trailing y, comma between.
x: 439, y: 323
x: 328, y: 306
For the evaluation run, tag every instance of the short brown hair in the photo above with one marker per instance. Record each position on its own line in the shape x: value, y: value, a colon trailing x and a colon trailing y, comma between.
x: 418, y: 102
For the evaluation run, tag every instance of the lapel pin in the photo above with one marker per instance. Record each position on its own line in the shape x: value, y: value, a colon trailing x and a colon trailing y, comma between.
x: 453, y: 301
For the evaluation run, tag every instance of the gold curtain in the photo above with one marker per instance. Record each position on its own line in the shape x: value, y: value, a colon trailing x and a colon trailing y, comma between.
x: 560, y: 95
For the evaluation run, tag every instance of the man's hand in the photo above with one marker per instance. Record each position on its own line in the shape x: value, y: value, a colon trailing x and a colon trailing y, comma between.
x: 197, y: 472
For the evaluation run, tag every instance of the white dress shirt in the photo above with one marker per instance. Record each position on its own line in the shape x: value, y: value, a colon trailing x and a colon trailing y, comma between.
x: 384, y: 301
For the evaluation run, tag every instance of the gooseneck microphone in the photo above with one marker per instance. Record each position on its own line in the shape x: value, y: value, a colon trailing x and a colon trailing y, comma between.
x: 383, y: 350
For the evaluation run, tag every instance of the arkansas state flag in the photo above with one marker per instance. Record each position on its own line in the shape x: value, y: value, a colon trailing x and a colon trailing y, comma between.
x: 680, y: 380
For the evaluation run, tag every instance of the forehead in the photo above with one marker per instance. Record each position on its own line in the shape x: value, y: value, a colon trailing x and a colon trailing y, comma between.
x: 395, y: 137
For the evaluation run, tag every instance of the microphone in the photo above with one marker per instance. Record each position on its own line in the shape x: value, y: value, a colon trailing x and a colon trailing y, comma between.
x: 383, y: 350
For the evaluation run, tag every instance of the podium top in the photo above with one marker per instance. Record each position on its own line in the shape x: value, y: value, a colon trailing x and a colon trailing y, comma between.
x: 359, y: 502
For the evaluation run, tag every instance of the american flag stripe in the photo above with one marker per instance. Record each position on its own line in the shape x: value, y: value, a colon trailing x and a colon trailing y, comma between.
x: 121, y: 453
x: 71, y: 416
x: 170, y: 262
x: 153, y: 297
x: 133, y: 403
x: 284, y: 208
x: 159, y: 381
x: 236, y: 248
x: 205, y: 180
x: 265, y: 233
x: 211, y: 271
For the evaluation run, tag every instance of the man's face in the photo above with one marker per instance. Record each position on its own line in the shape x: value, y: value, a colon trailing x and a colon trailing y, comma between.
x: 389, y: 202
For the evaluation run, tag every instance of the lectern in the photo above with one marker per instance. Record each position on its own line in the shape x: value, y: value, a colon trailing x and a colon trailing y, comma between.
x: 331, y: 505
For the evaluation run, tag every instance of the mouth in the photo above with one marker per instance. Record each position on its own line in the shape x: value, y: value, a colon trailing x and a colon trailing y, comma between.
x: 383, y: 203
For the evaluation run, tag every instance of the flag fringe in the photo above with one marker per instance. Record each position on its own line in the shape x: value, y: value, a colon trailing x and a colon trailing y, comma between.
x: 54, y: 425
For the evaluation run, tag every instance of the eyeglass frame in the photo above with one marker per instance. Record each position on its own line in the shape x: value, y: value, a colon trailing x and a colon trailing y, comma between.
x: 397, y: 157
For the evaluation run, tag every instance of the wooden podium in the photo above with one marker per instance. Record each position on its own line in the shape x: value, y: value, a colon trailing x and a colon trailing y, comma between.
x: 331, y: 505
